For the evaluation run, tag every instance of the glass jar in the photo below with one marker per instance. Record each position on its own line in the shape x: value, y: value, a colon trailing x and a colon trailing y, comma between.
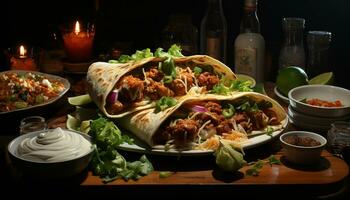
x: 31, y: 124
x: 318, y: 43
x: 338, y: 138
x: 292, y: 52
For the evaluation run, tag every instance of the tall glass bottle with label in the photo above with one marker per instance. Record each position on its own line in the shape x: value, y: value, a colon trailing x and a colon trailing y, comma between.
x: 250, y: 45
x: 213, y: 33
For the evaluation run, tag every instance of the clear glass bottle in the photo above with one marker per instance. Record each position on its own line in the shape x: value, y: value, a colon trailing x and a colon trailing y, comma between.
x: 213, y: 34
x: 182, y: 32
x: 250, y: 44
x: 292, y: 52
x: 318, y: 43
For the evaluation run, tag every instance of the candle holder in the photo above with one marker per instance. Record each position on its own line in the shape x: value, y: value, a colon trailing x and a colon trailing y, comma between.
x: 78, y: 41
x: 23, y: 57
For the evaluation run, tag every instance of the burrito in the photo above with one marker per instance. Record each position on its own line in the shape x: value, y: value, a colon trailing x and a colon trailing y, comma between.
x: 122, y: 88
x: 201, y: 122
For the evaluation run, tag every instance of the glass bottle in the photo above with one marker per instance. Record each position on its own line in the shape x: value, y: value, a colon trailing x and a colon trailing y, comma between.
x: 214, y: 31
x: 318, y: 43
x: 250, y: 44
x: 292, y: 52
x: 182, y: 32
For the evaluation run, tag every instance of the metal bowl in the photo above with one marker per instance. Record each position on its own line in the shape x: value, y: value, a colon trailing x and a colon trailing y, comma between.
x: 39, y: 169
x: 323, y: 92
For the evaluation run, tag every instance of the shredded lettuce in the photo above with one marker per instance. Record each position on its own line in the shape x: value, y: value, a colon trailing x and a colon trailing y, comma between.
x: 173, y: 51
x: 226, y: 86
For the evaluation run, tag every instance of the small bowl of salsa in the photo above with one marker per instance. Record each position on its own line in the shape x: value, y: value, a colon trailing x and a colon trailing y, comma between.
x: 320, y: 100
x: 302, y: 147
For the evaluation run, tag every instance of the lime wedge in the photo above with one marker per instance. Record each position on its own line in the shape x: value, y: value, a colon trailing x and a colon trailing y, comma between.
x: 72, y: 123
x: 244, y: 77
x: 80, y: 100
x: 85, y: 126
x: 323, y: 79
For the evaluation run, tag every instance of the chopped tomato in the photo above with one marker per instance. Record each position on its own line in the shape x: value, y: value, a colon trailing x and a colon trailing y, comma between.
x: 323, y: 103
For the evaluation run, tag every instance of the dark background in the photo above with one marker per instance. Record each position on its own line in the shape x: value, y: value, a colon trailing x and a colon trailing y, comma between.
x: 139, y: 23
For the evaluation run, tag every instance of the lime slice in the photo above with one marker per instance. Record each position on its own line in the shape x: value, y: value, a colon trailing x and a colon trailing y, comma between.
x: 85, y: 126
x: 72, y: 123
x: 323, y: 79
x: 244, y: 77
x: 80, y: 100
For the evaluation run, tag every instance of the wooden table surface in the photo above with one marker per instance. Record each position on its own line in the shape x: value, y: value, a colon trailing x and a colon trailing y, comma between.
x: 328, y: 176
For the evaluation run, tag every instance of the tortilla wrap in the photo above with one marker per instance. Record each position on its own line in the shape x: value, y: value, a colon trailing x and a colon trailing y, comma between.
x: 145, y: 124
x: 102, y: 77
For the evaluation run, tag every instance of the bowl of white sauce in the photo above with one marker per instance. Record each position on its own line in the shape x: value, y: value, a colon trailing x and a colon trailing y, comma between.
x: 51, y: 153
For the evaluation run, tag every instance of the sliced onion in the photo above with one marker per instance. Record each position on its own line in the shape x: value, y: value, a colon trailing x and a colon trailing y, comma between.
x: 197, y: 108
x: 113, y: 96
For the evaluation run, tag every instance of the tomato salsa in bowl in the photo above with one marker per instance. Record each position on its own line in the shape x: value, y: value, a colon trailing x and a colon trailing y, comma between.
x: 22, y: 90
x: 320, y: 100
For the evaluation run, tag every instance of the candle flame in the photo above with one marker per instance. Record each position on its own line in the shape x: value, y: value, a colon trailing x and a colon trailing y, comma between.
x: 77, y: 28
x: 22, y: 51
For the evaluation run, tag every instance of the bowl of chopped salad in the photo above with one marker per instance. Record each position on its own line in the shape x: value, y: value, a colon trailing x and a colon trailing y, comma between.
x: 22, y: 90
x: 320, y: 100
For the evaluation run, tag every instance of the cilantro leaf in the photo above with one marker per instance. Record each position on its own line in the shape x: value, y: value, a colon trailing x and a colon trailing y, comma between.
x: 273, y: 160
x: 164, y: 103
x: 165, y: 174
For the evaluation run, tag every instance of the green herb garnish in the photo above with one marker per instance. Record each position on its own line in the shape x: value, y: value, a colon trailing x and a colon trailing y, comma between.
x: 197, y: 70
x: 165, y: 174
x: 258, y: 165
x: 107, y: 162
x: 269, y: 131
x: 105, y: 133
x: 164, y: 103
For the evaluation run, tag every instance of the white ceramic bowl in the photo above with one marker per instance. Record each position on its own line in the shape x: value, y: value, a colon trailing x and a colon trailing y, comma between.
x: 301, y: 154
x: 321, y: 123
x: 323, y: 92
x: 48, y: 169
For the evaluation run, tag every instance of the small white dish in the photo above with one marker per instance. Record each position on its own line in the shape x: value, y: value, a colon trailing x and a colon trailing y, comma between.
x: 304, y: 155
x: 322, y: 92
x: 281, y: 96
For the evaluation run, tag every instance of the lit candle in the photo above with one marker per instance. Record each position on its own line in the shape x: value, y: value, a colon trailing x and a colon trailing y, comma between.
x: 22, y: 52
x: 78, y: 44
x: 23, y: 61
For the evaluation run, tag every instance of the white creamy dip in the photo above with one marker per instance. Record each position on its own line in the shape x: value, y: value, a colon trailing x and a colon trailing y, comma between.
x: 55, y: 145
